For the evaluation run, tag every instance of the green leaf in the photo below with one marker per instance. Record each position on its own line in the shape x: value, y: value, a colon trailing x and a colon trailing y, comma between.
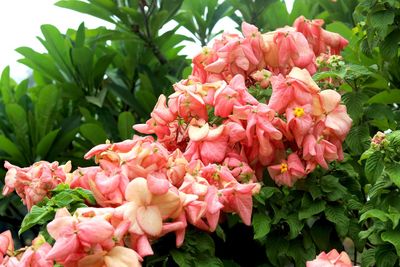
x: 310, y: 207
x: 341, y: 28
x: 5, y: 87
x: 354, y: 102
x: 295, y: 226
x: 386, y: 97
x: 86, y: 194
x: 98, y: 100
x: 58, y: 48
x: 87, y: 8
x: 45, y: 109
x: 182, y: 259
x: 394, y: 173
x: 125, y: 123
x: 330, y: 185
x: 146, y: 99
x: 385, y: 257
x: 374, y: 213
x: 392, y: 237
x: 18, y: 119
x: 220, y: 233
x: 381, y: 18
x: 94, y: 133
x: 374, y: 166
x: 368, y: 257
x: 82, y: 60
x: 10, y: 148
x: 37, y: 215
x: 358, y: 139
x: 261, y: 225
x: 337, y: 215
x: 42, y: 63
x: 80, y: 35
x: 390, y: 46
x: 45, y: 143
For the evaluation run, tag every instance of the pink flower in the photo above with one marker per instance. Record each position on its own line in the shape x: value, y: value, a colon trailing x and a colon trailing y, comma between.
x: 136, y: 158
x: 34, y: 183
x: 334, y: 114
x: 332, y: 259
x: 317, y: 149
x: 321, y: 40
x: 117, y: 257
x: 235, y: 94
x: 207, y: 144
x: 260, y: 132
x: 160, y: 119
x: 6, y: 245
x: 299, y: 121
x: 298, y: 87
x: 76, y: 235
x: 262, y: 77
x: 187, y: 103
x: 288, y: 172
x: 294, y: 51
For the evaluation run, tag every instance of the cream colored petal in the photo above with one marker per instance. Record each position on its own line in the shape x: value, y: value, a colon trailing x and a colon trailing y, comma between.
x: 138, y: 192
x: 198, y: 133
x: 149, y: 219
x: 122, y: 257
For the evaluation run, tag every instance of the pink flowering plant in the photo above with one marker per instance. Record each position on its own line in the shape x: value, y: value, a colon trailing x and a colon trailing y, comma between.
x: 258, y: 157
x: 248, y: 137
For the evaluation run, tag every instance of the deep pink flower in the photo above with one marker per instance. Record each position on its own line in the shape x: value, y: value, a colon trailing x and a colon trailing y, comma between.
x: 288, y: 172
x: 298, y: 87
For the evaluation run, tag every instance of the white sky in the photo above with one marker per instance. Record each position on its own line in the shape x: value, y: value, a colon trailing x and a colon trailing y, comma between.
x: 20, y: 22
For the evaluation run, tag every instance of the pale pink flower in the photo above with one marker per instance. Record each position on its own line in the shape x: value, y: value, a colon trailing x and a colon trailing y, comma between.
x: 117, y: 257
x: 335, y: 115
x: 331, y: 259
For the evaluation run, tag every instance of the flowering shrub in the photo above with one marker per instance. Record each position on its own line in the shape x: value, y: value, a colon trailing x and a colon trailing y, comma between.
x: 250, y: 107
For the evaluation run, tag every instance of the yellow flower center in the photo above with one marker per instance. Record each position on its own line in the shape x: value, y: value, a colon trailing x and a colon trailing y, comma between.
x: 298, y: 112
x: 284, y: 167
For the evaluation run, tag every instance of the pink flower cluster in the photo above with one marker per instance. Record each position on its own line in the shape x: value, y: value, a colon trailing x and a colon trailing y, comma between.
x: 33, y: 183
x: 214, y: 141
x: 33, y: 256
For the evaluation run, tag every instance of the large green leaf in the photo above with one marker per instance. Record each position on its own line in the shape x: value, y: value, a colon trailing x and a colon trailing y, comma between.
x: 40, y: 62
x: 45, y: 143
x: 392, y: 237
x: 45, y: 109
x: 10, y: 148
x: 386, y: 97
x: 5, y: 86
x: 261, y: 224
x: 125, y: 123
x: 374, y: 166
x: 87, y: 8
x: 310, y: 207
x: 94, y: 133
